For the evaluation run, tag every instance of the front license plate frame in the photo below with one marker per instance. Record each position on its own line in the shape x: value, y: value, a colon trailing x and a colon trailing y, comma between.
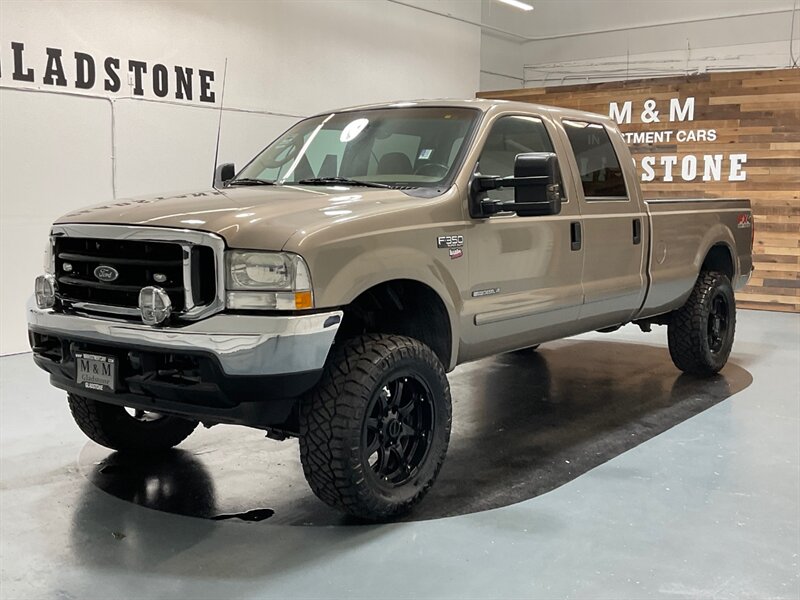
x: 96, y: 372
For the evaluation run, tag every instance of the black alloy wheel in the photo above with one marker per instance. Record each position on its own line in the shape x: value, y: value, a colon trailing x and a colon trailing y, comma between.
x: 718, y: 323
x: 397, y: 432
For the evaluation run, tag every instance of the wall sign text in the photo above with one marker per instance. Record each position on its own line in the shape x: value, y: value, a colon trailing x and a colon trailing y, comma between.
x: 671, y: 167
x: 81, y: 71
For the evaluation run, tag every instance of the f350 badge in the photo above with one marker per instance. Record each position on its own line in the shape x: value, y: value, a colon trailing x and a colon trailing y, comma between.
x: 453, y: 243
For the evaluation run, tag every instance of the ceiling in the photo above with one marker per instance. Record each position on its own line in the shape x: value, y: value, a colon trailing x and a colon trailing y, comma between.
x: 564, y: 17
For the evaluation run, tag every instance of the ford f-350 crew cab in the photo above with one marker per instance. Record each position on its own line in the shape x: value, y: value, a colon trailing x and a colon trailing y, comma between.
x: 326, y: 289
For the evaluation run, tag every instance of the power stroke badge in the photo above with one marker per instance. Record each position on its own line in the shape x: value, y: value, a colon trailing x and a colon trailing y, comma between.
x: 453, y: 243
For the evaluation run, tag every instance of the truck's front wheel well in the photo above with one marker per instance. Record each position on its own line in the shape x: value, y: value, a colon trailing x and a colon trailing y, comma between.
x: 719, y: 259
x: 403, y: 307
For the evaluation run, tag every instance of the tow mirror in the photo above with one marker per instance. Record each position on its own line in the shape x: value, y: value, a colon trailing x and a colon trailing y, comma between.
x: 223, y: 174
x: 536, y: 186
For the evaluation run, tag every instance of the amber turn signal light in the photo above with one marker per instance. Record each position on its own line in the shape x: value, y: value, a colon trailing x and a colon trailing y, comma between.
x: 303, y: 299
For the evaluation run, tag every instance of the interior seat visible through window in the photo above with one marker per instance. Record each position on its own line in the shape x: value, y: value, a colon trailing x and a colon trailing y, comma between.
x: 330, y: 167
x: 394, y: 163
x: 302, y: 169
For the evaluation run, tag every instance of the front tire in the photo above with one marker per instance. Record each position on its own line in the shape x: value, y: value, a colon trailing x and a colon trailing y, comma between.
x: 701, y: 332
x: 113, y: 427
x: 375, y: 430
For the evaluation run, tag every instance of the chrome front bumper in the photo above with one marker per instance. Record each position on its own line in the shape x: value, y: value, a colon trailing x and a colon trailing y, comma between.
x: 243, y: 344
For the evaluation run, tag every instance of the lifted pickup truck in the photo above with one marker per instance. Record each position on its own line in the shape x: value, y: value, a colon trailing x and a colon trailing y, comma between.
x: 325, y: 290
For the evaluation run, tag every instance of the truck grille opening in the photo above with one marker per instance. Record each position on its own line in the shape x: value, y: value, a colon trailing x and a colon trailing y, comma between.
x: 133, y: 265
x: 204, y: 287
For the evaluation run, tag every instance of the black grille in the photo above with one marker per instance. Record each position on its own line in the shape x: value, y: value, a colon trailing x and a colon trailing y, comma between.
x: 138, y: 264
x: 204, y: 285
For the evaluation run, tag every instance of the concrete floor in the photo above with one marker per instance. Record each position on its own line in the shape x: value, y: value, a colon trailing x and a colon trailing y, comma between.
x: 591, y: 471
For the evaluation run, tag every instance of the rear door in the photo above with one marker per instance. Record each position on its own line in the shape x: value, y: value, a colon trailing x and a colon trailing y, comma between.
x: 614, y: 226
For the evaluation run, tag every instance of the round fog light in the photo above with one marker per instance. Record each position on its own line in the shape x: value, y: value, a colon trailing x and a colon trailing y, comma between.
x: 45, y: 291
x: 155, y: 305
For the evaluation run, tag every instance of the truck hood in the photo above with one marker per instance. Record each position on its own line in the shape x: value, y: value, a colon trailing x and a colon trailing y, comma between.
x: 248, y: 217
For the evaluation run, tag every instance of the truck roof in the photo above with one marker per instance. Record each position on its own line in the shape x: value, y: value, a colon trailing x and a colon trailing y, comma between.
x: 482, y: 104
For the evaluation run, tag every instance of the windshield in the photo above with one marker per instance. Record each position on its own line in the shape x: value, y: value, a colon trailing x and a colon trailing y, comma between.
x: 414, y: 147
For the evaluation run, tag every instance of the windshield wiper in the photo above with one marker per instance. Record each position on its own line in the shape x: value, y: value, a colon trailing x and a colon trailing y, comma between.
x: 250, y: 181
x: 342, y: 180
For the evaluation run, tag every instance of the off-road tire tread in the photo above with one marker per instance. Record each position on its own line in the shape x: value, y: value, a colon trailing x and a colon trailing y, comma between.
x: 333, y: 410
x: 686, y: 332
x: 104, y: 424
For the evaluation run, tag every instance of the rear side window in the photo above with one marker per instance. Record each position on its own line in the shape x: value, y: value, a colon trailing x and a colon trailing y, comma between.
x: 598, y: 164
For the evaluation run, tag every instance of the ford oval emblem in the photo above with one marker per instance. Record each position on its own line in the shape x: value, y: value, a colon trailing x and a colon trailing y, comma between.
x: 106, y: 273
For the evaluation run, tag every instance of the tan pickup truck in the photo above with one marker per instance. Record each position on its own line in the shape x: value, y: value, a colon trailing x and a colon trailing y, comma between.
x: 325, y: 290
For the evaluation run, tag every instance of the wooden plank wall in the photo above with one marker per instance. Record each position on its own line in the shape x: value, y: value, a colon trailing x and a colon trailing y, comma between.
x: 756, y: 113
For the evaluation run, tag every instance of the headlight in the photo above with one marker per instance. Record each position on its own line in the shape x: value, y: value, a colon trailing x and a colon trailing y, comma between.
x: 267, y: 281
x: 260, y: 271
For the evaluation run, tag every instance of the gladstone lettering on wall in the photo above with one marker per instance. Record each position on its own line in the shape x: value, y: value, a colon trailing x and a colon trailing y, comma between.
x: 717, y: 166
x: 106, y: 74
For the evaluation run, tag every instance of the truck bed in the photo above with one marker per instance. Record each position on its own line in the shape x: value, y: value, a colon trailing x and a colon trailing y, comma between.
x: 682, y: 233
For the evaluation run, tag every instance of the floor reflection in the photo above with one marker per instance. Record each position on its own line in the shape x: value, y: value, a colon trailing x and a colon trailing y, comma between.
x: 522, y: 425
x: 175, y: 482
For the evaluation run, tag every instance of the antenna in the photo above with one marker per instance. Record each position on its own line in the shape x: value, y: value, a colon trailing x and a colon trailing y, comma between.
x: 219, y: 123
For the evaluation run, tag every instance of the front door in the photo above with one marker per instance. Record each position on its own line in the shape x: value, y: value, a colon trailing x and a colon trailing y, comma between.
x: 524, y: 272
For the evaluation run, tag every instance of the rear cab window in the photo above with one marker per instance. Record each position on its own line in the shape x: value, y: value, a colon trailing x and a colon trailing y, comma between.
x: 598, y: 164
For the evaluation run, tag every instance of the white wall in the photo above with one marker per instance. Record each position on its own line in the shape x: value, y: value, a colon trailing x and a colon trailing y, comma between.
x: 59, y: 151
x: 501, y: 63
x: 604, y: 40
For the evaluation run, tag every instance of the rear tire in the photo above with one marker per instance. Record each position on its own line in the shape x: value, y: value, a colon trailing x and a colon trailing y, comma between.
x: 374, y: 431
x: 113, y: 427
x: 701, y: 332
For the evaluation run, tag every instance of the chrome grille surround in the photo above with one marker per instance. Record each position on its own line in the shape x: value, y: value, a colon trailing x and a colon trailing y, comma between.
x: 186, y: 238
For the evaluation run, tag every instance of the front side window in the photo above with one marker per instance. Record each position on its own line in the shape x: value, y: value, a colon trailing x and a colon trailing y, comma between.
x: 508, y: 137
x: 415, y: 147
x: 598, y: 164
